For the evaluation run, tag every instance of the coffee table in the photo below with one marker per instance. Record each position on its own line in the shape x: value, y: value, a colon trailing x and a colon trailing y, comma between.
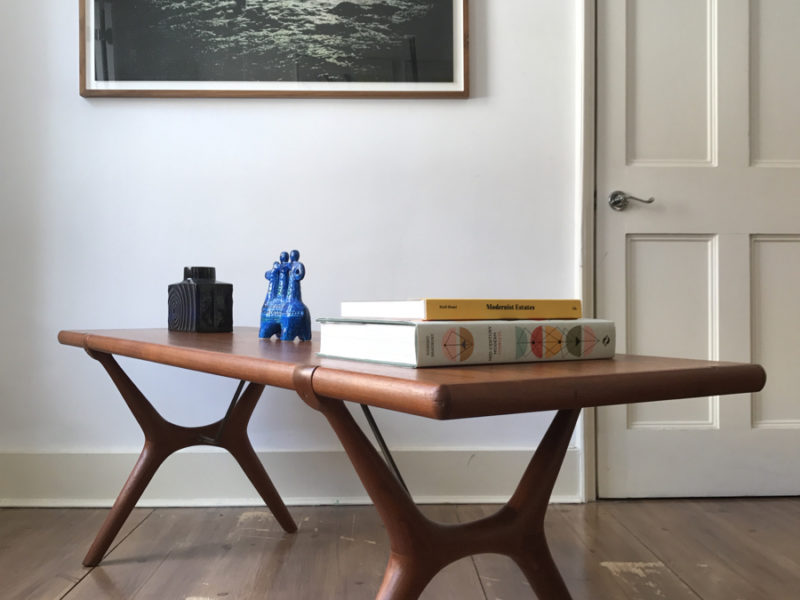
x: 420, y: 548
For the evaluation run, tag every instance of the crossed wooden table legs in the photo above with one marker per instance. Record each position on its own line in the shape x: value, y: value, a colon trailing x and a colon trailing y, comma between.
x: 420, y: 548
x: 162, y: 438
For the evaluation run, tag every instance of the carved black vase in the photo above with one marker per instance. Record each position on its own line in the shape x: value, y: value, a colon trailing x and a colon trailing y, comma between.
x: 200, y: 303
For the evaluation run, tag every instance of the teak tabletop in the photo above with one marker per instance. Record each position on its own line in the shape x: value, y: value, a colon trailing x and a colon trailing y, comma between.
x: 420, y: 548
x: 438, y: 393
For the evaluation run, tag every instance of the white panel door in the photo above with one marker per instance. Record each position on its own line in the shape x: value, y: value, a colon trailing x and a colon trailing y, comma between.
x: 698, y: 106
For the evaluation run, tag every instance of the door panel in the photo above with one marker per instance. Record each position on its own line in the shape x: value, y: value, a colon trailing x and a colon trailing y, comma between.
x: 697, y: 106
x: 655, y: 263
x: 776, y: 325
x: 678, y: 131
x: 773, y: 37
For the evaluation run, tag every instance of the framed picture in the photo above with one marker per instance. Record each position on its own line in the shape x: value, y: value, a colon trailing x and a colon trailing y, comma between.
x: 274, y: 48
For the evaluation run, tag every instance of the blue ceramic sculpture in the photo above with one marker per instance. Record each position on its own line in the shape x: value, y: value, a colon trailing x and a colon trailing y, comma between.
x: 284, y: 313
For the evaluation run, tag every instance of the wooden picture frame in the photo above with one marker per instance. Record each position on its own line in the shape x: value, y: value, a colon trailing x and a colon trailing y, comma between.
x: 274, y: 48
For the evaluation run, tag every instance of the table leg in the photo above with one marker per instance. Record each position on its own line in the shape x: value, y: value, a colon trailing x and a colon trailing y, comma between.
x: 420, y: 548
x: 163, y: 438
x: 235, y: 440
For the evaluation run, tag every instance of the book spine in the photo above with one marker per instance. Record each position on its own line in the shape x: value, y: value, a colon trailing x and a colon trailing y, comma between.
x: 448, y: 344
x: 471, y: 309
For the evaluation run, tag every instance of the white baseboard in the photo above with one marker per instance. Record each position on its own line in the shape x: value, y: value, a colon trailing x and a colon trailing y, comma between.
x: 302, y: 478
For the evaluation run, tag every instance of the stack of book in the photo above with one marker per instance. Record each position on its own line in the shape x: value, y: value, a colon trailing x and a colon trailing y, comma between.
x: 445, y: 332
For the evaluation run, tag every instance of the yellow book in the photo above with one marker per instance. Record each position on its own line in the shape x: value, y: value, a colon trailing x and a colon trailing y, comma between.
x: 463, y: 309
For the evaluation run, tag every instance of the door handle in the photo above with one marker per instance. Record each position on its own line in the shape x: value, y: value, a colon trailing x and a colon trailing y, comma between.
x: 620, y: 200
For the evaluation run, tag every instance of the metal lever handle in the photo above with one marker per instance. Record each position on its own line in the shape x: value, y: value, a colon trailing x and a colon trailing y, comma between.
x: 620, y: 200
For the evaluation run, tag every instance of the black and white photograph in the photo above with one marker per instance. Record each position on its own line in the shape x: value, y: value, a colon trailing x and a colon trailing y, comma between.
x: 274, y: 47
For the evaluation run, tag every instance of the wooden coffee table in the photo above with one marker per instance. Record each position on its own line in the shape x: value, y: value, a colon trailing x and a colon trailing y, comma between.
x: 420, y: 548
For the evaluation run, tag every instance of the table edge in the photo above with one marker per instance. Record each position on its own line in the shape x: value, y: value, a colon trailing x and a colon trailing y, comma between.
x: 440, y: 401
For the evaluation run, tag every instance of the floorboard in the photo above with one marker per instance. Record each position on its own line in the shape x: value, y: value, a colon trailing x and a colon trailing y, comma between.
x: 338, y: 552
x: 41, y: 549
x: 613, y: 563
x: 645, y: 550
x: 721, y: 549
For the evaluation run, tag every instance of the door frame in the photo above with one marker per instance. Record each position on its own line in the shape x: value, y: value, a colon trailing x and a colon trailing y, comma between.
x: 585, y: 181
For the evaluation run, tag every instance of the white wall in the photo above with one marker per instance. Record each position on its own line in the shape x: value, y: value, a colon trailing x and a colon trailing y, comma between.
x: 104, y: 201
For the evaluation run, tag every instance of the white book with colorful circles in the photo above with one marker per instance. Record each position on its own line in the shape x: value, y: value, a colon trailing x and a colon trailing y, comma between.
x: 415, y: 343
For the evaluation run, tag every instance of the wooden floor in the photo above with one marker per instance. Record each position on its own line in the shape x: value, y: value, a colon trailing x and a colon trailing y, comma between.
x: 660, y: 550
